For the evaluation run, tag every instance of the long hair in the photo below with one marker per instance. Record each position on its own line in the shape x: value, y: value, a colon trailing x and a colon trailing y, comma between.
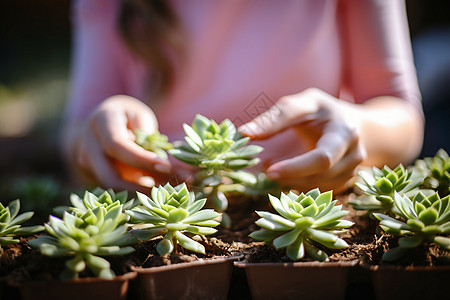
x: 151, y: 30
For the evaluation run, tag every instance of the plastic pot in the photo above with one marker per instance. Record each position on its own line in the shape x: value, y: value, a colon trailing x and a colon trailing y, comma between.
x: 300, y: 280
x: 398, y: 282
x: 203, y: 279
x: 78, y: 289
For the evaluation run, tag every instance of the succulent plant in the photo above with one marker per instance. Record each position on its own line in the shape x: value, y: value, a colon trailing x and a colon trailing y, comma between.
x: 98, y: 197
x: 379, y: 187
x: 176, y: 213
x: 436, y: 171
x: 10, y: 221
x: 219, y: 151
x: 303, y: 221
x: 99, y: 231
x: 420, y: 219
x: 155, y: 142
x: 213, y: 146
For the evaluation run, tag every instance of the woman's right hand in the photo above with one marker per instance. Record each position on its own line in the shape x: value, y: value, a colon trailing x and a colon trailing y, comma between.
x: 102, y: 148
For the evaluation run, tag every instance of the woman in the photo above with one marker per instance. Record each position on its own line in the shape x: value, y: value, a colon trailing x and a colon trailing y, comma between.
x: 322, y: 85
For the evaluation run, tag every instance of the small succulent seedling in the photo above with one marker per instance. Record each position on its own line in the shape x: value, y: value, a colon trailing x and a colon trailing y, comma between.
x: 436, y: 171
x: 10, y: 221
x: 86, y: 237
x: 420, y: 219
x: 98, y: 197
x: 155, y: 142
x: 302, y: 221
x: 379, y: 187
x: 176, y: 213
x: 218, y: 150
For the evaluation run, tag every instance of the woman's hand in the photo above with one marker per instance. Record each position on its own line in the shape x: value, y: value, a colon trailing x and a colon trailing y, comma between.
x: 327, y: 126
x: 103, y: 151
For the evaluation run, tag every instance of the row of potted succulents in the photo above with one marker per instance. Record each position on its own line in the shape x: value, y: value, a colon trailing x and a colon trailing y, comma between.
x: 411, y: 205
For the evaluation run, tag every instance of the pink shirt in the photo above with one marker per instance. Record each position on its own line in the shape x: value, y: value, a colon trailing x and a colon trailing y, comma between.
x: 245, y: 55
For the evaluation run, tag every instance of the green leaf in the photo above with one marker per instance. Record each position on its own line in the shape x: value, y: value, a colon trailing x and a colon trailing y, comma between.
x: 310, y: 211
x: 283, y: 223
x: 165, y: 246
x: 76, y: 264
x: 22, y: 231
x: 394, y: 254
x: 410, y: 242
x: 296, y: 251
x: 304, y: 222
x: 201, y: 230
x: 384, y: 186
x: 14, y: 207
x: 263, y: 235
x: 443, y: 242
x: 191, y: 133
x: 22, y: 218
x: 415, y: 224
x: 189, y: 244
x: 324, y: 198
x: 321, y: 236
x: 287, y: 238
x: 428, y: 216
x: 315, y: 253
x: 177, y: 215
x: 200, y: 216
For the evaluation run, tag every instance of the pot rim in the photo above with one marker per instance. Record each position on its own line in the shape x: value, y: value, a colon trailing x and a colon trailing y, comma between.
x: 407, y: 268
x: 337, y: 264
x: 183, y: 265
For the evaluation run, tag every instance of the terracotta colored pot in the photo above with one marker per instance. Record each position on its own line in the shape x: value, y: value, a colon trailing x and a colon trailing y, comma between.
x: 203, y: 279
x: 397, y: 282
x: 79, y: 289
x: 300, y: 280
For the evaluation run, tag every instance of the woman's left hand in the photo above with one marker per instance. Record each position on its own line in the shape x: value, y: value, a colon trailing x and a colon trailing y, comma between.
x: 326, y: 125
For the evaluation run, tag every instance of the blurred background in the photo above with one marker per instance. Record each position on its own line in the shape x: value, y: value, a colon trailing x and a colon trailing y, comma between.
x: 35, y: 40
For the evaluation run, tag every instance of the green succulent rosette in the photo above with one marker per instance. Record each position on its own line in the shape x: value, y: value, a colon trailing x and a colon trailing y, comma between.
x: 420, y: 219
x: 175, y: 213
x: 302, y: 222
x: 436, y: 171
x: 154, y: 142
x: 87, y: 237
x: 10, y: 224
x: 213, y: 146
x: 379, y: 187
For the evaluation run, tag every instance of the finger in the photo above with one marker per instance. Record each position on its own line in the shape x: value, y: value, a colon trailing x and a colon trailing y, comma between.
x: 287, y: 112
x: 330, y: 148
x: 111, y: 129
x: 350, y: 162
x: 144, y: 120
x: 102, y: 169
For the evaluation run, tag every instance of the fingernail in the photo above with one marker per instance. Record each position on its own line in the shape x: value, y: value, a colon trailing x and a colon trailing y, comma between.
x: 162, y: 168
x: 146, y: 181
x: 249, y: 129
x: 273, y: 175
